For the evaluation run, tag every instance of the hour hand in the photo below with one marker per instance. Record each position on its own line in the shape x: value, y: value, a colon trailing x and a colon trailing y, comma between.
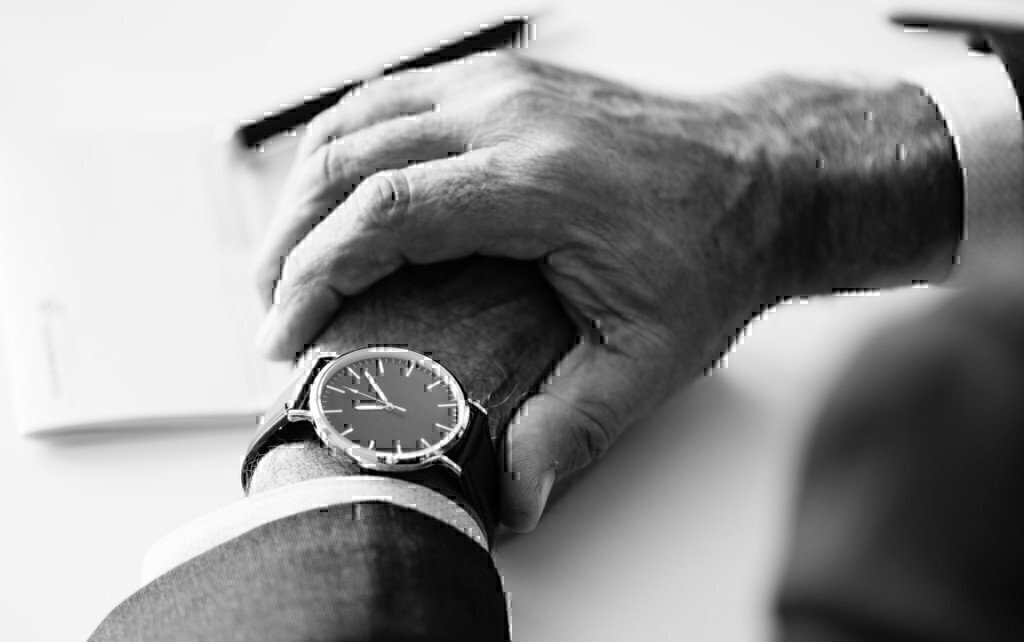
x: 369, y: 405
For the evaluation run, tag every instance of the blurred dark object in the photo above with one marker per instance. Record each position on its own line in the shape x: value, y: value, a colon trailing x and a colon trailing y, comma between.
x: 977, y: 41
x: 910, y: 518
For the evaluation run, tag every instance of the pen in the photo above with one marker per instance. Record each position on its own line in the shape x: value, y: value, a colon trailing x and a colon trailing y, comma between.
x: 253, y: 134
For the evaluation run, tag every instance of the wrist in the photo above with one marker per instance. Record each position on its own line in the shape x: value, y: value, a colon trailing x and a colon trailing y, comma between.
x: 494, y: 324
x: 288, y: 464
x: 297, y: 462
x: 867, y: 186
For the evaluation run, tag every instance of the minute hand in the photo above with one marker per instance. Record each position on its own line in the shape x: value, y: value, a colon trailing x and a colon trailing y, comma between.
x: 383, y: 397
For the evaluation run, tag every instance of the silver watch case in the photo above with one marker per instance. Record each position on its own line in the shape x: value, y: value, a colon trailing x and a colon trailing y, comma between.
x: 373, y: 459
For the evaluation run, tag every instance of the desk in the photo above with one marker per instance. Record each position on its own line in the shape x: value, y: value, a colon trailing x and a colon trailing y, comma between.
x: 675, y: 535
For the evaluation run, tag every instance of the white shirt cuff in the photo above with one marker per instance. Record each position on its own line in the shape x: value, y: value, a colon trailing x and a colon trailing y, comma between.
x: 979, y: 105
x: 244, y: 515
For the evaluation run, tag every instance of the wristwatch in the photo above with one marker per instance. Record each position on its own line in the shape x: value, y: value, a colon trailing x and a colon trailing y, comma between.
x: 393, y: 412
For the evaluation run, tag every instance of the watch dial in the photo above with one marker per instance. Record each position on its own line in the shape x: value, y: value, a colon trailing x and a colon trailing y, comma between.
x: 390, y: 404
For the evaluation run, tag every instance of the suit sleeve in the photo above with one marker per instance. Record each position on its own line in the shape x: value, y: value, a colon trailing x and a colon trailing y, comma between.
x: 910, y: 511
x: 1009, y: 46
x: 361, y: 571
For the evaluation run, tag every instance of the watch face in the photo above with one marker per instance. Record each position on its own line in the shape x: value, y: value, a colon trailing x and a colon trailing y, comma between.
x: 390, y: 404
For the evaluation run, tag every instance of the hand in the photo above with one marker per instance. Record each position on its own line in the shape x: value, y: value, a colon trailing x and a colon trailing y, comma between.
x: 663, y: 224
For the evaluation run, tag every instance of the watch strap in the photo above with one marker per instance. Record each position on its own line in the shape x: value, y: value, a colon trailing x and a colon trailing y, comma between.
x: 275, y: 426
x: 476, y: 488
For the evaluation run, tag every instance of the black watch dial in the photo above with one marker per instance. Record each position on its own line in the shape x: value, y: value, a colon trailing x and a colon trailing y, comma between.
x: 399, y: 404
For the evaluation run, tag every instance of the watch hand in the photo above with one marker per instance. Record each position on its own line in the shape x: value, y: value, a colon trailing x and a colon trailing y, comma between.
x: 363, y: 394
x: 387, y: 404
x: 369, y: 406
x: 383, y: 397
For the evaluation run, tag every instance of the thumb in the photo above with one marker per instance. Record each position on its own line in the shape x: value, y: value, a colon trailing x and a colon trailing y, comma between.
x: 580, y: 410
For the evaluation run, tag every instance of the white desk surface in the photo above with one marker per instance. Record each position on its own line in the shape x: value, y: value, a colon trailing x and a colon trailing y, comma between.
x: 675, y: 535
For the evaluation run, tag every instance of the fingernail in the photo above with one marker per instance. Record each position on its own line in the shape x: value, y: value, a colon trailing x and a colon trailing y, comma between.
x: 547, y: 480
x: 267, y: 337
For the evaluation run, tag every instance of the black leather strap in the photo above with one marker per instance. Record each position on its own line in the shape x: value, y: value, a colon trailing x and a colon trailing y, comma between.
x: 275, y: 428
x: 1009, y: 46
x: 476, y: 489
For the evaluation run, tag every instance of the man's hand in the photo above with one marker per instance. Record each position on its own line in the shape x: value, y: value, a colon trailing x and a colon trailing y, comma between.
x: 663, y: 224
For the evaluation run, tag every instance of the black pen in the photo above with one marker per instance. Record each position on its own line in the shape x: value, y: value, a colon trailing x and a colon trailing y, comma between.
x: 252, y: 135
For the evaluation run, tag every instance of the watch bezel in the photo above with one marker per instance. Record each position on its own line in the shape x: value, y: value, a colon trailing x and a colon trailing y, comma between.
x: 382, y: 460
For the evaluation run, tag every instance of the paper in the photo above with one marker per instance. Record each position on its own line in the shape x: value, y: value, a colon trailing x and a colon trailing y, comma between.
x: 127, y: 295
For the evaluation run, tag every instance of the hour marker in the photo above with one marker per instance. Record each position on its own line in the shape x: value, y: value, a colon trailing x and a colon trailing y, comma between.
x: 445, y: 428
x: 332, y: 412
x: 412, y: 366
x: 398, y: 447
x: 373, y: 442
x: 380, y: 367
x: 425, y: 443
x: 353, y: 373
x: 336, y: 389
x: 436, y: 383
x: 347, y: 431
x: 447, y: 405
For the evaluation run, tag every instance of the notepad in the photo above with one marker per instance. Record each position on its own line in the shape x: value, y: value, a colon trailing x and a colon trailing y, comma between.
x: 126, y: 290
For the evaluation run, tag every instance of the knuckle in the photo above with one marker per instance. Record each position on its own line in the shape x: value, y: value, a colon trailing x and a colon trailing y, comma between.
x: 351, y: 159
x: 518, y: 101
x: 520, y: 91
x: 304, y: 270
x: 509, y: 62
x: 318, y: 131
x: 293, y: 271
x: 592, y: 429
x: 339, y: 163
x: 328, y: 162
x: 383, y: 199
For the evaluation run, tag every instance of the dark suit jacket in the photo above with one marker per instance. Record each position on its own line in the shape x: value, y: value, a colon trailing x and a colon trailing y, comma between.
x: 909, y: 568
x: 369, y: 571
x: 910, y: 517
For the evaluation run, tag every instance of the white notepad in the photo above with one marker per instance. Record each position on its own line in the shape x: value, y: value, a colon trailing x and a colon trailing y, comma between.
x: 126, y: 283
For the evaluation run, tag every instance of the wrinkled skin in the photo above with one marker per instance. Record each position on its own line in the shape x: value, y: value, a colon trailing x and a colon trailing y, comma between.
x: 656, y: 220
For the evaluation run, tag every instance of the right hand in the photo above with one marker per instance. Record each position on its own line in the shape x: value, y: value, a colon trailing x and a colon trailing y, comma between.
x: 651, y: 218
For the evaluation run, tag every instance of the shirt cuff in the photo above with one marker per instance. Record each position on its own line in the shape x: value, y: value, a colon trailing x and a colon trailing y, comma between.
x: 247, y: 514
x: 981, y: 110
